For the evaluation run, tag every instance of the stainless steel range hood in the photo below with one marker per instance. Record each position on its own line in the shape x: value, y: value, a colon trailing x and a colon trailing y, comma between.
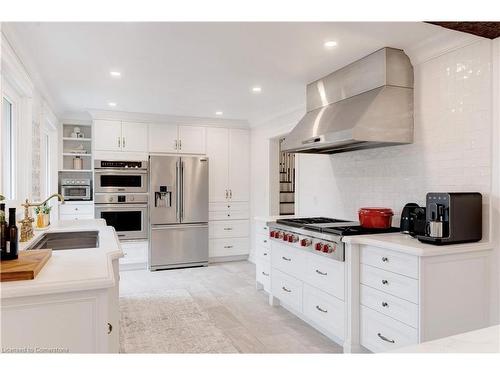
x: 368, y: 103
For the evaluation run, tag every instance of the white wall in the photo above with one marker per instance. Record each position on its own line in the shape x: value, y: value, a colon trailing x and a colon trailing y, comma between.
x: 452, y: 148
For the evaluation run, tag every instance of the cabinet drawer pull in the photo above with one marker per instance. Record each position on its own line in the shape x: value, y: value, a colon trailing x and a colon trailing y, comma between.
x: 385, y: 282
x: 123, y: 142
x: 228, y: 228
x: 110, y: 328
x: 320, y: 309
x: 385, y: 259
x: 265, y: 254
x: 321, y: 273
x: 287, y: 259
x: 285, y: 289
x: 228, y: 247
x: 385, y: 304
x: 385, y: 338
x: 265, y: 274
x: 265, y: 241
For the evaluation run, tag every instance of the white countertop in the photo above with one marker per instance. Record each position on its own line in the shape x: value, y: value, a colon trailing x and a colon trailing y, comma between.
x: 71, y: 270
x: 409, y: 245
x: 486, y: 340
x: 402, y: 242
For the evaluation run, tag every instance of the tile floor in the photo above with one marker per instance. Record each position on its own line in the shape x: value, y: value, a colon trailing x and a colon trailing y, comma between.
x: 225, y: 292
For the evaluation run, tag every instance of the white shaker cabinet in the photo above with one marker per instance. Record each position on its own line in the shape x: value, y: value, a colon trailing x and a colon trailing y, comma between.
x: 239, y: 165
x: 182, y: 139
x: 218, y: 155
x: 134, y: 137
x: 229, y: 154
x: 111, y: 135
x: 107, y: 135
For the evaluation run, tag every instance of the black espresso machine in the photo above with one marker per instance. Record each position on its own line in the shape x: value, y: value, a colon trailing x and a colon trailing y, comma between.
x: 453, y: 218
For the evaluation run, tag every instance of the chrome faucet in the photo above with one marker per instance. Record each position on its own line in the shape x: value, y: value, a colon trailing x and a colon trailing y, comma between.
x: 27, y: 222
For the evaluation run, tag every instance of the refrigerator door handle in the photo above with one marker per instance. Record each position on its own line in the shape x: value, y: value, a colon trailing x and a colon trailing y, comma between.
x: 183, y: 226
x: 182, y: 190
x: 177, y: 192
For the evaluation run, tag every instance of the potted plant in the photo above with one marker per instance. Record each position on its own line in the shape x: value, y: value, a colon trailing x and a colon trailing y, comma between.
x: 43, y: 215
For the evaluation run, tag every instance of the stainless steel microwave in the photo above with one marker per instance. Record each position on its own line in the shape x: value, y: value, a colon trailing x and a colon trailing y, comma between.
x: 121, y: 176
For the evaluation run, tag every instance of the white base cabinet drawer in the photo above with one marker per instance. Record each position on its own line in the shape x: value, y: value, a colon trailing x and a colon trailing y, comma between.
x: 76, y: 209
x: 228, y: 247
x: 76, y: 217
x: 262, y: 241
x: 228, y: 215
x: 288, y: 259
x: 134, y: 252
x: 263, y: 254
x: 263, y: 275
x: 326, y: 311
x: 228, y: 229
x: 388, y: 260
x: 389, y: 282
x: 379, y: 333
x: 395, y: 307
x: 325, y: 274
x: 287, y: 289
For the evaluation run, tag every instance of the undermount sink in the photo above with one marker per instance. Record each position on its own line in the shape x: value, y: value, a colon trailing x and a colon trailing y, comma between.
x: 66, y: 240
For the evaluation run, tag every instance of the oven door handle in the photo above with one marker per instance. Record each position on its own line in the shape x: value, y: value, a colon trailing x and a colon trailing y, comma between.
x: 126, y: 206
x: 121, y: 171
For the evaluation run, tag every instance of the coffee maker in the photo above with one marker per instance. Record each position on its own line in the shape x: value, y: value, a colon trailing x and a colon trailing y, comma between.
x: 453, y: 218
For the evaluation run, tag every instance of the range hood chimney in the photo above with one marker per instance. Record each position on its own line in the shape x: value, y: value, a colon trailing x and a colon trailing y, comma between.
x: 366, y: 104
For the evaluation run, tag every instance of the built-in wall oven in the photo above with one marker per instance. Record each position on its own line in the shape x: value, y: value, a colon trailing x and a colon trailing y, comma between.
x: 127, y: 213
x: 121, y: 176
x: 121, y: 197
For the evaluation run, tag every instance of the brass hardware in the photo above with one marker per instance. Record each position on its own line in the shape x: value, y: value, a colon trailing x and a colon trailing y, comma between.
x: 27, y: 222
x: 110, y: 328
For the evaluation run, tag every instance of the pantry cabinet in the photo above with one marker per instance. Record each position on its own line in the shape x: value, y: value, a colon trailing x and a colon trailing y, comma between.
x: 112, y: 135
x: 178, y: 139
x: 229, y: 154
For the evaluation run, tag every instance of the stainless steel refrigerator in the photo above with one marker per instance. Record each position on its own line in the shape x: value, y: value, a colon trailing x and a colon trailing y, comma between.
x: 178, y: 214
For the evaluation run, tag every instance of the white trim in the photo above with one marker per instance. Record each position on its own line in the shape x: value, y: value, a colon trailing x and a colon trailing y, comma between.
x: 13, y: 70
x: 97, y: 114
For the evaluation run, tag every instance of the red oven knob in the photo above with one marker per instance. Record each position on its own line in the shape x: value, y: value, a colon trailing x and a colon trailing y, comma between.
x: 305, y: 242
x: 271, y: 233
x: 292, y: 238
x: 318, y: 246
x: 285, y: 236
x: 328, y: 248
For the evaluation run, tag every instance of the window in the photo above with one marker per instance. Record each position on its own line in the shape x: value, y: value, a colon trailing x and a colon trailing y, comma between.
x: 8, y: 148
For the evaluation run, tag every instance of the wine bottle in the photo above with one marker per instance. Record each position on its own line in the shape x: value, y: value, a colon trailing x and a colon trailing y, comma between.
x: 3, y: 231
x: 13, y: 244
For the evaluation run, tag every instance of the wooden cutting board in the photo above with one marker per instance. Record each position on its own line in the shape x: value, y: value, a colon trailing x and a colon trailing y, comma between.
x: 26, y: 267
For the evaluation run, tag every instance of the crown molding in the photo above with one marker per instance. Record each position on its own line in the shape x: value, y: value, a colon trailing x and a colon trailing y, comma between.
x: 97, y: 114
x: 440, y: 44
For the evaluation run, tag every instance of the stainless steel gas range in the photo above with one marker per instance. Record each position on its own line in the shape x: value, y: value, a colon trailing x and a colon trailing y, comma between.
x: 319, y: 234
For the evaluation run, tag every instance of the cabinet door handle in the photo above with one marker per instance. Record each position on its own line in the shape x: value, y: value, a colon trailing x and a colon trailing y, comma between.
x: 228, y: 247
x: 287, y: 259
x: 228, y: 228
x: 321, y: 273
x: 285, y: 289
x: 119, y: 142
x: 265, y: 274
x: 227, y: 194
x: 175, y: 144
x: 385, y: 304
x: 180, y: 144
x: 385, y: 259
x: 110, y: 328
x: 230, y: 194
x: 385, y: 338
x: 123, y: 142
x: 320, y: 309
x: 385, y: 282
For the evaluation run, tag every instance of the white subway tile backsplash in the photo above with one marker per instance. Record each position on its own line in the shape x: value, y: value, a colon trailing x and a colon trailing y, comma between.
x: 451, y: 149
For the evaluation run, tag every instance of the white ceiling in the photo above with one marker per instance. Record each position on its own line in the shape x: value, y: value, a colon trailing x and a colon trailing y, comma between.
x: 195, y: 69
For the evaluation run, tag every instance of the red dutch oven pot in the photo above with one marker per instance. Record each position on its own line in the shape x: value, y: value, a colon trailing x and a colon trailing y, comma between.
x: 375, y: 217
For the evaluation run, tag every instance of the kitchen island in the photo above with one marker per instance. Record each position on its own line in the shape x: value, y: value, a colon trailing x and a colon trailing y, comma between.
x: 72, y: 304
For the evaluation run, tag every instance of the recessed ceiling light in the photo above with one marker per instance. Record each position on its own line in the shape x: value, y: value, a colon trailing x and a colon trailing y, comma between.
x: 115, y: 74
x: 256, y: 89
x: 112, y: 104
x: 330, y: 44
x: 219, y: 113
